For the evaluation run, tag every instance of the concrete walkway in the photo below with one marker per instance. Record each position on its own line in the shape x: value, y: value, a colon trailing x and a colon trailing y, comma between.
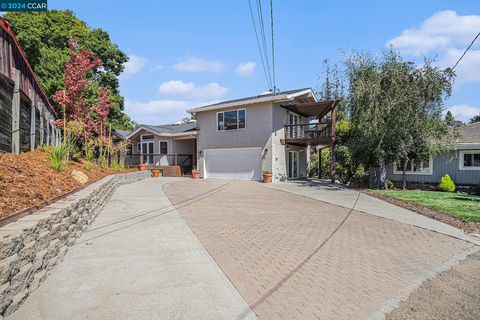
x: 347, y: 198
x: 138, y: 260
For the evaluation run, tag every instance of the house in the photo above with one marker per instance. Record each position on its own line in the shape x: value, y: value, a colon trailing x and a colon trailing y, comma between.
x: 171, y: 147
x: 239, y: 139
x: 27, y: 120
x: 462, y: 164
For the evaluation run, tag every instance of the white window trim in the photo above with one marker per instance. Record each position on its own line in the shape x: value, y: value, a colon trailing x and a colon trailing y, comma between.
x: 461, y: 160
x: 428, y: 173
x: 160, y: 144
x: 216, y: 120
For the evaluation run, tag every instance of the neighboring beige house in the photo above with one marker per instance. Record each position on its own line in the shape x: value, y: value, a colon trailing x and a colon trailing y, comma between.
x: 166, y: 146
x: 238, y: 139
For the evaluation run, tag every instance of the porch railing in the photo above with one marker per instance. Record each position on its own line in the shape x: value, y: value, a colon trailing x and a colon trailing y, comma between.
x: 158, y: 160
x: 308, y: 131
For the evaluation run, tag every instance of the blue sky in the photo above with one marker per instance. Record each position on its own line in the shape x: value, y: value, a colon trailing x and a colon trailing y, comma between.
x: 188, y: 53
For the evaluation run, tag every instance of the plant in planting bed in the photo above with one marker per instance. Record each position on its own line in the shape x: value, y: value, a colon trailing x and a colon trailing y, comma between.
x: 58, y: 157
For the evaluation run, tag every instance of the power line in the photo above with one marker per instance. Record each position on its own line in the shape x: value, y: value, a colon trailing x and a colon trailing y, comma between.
x: 465, y: 52
x: 264, y: 40
x: 259, y: 46
x: 273, y: 47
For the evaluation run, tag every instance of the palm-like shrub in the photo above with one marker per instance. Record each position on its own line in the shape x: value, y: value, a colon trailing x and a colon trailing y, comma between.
x: 59, y: 156
x: 446, y: 184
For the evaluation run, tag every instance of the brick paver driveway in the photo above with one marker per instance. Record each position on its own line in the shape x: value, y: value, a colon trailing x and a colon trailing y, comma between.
x: 291, y: 257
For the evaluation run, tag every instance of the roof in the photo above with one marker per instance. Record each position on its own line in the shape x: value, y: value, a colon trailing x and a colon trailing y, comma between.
x: 167, y: 129
x: 469, y: 133
x: 120, y: 133
x: 314, y: 109
x: 278, y: 97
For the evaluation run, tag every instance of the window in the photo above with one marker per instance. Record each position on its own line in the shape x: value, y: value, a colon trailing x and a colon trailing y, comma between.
x: 417, y: 166
x: 163, y: 147
x: 139, y: 145
x: 231, y: 120
x: 146, y: 137
x: 470, y: 160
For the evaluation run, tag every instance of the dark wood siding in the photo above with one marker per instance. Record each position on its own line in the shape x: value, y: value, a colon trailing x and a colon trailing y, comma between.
x: 6, y: 94
x: 45, y: 132
x: 37, y: 128
x: 25, y: 124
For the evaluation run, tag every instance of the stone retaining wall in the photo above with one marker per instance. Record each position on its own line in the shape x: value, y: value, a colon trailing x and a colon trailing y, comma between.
x: 33, y: 245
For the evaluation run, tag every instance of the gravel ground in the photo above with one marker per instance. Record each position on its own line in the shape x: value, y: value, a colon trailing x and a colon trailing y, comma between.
x: 454, y: 294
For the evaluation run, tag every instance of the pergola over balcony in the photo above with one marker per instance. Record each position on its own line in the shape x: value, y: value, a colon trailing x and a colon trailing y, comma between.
x: 315, y: 133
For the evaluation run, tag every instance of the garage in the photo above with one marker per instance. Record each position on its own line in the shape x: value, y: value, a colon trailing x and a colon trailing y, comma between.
x: 237, y: 163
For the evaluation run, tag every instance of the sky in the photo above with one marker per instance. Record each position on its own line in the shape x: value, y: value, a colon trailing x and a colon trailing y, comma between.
x: 185, y: 54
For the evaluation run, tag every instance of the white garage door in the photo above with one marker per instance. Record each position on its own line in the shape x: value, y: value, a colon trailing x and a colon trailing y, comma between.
x: 238, y: 163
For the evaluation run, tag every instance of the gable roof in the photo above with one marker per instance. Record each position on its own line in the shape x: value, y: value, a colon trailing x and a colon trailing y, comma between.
x: 269, y: 97
x: 167, y: 129
x: 469, y: 133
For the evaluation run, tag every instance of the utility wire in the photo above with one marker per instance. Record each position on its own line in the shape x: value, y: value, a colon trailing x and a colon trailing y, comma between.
x: 465, y: 52
x: 273, y: 48
x: 264, y: 39
x: 259, y: 46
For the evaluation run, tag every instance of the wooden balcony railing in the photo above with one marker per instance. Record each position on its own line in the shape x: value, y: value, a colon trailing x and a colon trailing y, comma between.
x: 309, y: 133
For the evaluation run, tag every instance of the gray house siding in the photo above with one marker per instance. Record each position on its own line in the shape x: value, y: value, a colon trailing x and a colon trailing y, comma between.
x: 447, y: 163
x: 257, y: 132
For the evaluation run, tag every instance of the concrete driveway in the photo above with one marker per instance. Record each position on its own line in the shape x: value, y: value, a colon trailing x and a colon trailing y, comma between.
x: 292, y: 256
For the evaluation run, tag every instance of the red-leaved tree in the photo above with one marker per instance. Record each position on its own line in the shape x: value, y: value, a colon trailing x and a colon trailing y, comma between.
x: 73, y: 100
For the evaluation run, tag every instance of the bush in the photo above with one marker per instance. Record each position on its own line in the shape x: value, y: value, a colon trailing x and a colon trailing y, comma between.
x: 446, y: 184
x: 58, y: 157
x: 389, y: 184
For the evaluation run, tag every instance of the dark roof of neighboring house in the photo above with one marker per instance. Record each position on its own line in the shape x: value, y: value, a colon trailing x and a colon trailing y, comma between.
x: 258, y: 96
x: 469, y: 133
x: 120, y: 133
x: 173, y: 128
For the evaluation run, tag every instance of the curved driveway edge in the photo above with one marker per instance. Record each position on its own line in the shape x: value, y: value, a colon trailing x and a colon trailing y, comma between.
x: 138, y: 260
x: 344, y: 197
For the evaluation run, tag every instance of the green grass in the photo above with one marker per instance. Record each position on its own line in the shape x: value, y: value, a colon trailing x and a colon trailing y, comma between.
x: 461, y: 206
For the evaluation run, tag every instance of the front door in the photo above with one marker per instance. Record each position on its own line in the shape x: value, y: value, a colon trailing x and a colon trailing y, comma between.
x: 293, y: 164
x: 147, y: 151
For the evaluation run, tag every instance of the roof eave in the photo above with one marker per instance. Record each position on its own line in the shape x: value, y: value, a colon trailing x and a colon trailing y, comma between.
x: 272, y: 98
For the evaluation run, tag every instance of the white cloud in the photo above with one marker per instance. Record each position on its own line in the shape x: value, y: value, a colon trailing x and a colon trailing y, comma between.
x: 157, y: 67
x: 134, y: 65
x: 190, y: 90
x: 245, y: 69
x: 464, y: 112
x: 468, y: 70
x: 200, y: 65
x: 177, y: 88
x: 442, y: 30
x: 158, y: 112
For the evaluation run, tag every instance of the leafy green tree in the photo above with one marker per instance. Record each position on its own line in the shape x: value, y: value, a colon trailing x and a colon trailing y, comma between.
x: 44, y: 37
x: 450, y: 119
x: 395, y: 111
x: 475, y: 119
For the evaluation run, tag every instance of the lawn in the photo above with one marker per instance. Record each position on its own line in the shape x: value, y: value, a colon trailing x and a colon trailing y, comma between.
x: 462, y: 206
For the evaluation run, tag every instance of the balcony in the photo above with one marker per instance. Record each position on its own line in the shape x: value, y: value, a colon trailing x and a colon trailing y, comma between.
x: 309, y: 134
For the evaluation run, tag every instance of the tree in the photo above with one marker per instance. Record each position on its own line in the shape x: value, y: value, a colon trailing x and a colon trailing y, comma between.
x: 82, y: 100
x: 395, y: 110
x: 44, y: 38
x: 475, y: 119
x: 450, y: 119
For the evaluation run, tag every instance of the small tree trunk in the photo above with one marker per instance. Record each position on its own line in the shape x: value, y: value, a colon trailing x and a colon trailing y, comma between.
x: 382, y: 176
x: 404, y: 175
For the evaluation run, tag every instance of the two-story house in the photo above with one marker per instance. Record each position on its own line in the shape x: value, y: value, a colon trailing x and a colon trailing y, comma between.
x: 239, y: 139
